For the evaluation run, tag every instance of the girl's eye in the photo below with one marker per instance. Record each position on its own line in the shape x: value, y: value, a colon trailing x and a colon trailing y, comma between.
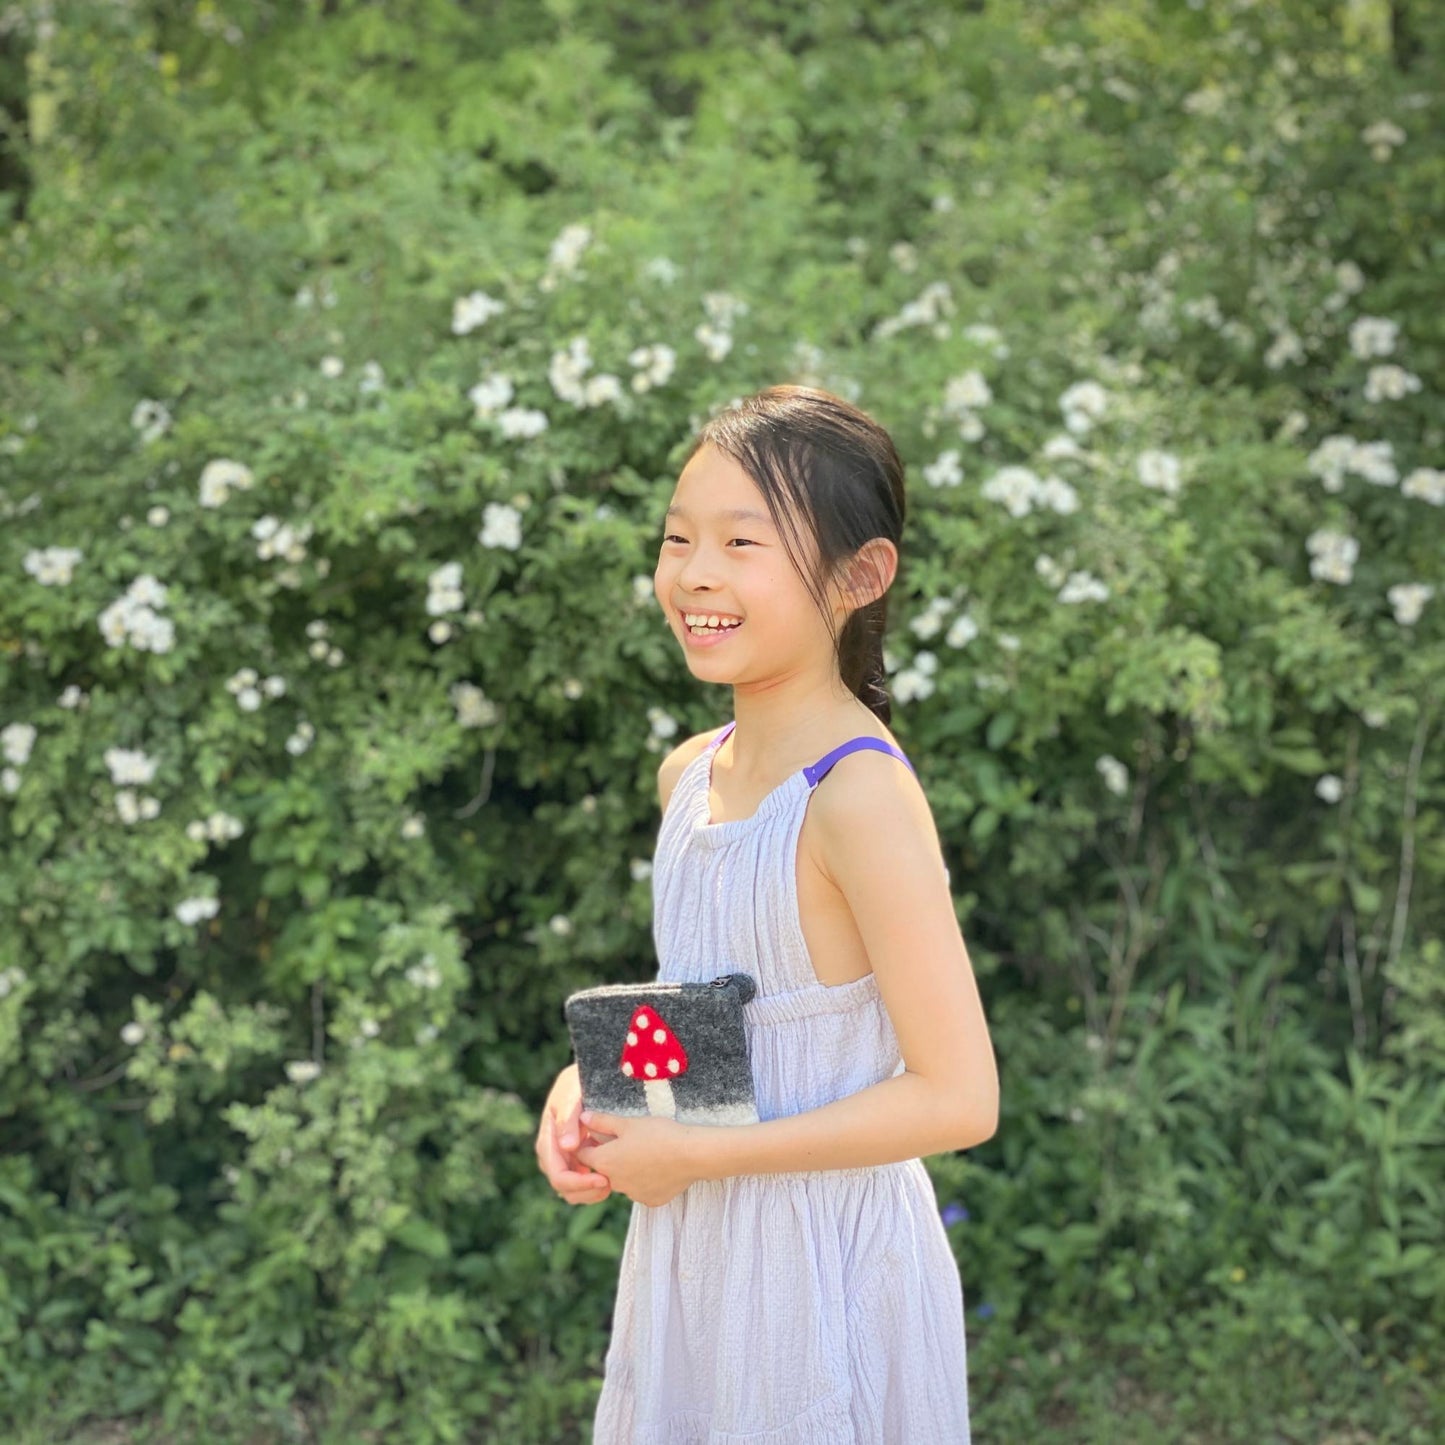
x: 673, y: 537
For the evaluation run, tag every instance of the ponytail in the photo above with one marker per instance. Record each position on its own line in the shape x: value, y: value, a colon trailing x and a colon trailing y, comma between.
x: 860, y: 657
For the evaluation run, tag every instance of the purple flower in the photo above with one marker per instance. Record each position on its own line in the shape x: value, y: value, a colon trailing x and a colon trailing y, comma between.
x: 954, y: 1214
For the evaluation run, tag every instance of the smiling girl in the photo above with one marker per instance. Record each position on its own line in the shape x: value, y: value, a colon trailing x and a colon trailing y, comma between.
x: 790, y: 1281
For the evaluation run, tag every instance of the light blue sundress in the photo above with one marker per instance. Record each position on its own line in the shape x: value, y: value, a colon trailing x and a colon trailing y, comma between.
x: 822, y: 1307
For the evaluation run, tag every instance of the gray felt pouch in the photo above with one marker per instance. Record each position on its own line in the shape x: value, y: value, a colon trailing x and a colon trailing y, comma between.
x: 674, y: 1049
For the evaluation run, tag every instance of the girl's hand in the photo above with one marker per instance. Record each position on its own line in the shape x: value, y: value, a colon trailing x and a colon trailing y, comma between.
x: 558, y: 1136
x: 644, y: 1159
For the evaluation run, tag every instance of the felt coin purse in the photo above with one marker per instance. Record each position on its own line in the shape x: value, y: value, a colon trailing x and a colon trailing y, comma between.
x: 678, y: 1050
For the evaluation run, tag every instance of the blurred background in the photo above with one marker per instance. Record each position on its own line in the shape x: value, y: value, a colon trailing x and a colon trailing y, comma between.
x: 350, y: 352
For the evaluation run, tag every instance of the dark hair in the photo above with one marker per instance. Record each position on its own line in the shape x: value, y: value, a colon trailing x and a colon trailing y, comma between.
x: 817, y: 457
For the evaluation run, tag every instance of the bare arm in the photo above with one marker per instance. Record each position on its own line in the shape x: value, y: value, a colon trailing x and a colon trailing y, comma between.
x: 879, y: 844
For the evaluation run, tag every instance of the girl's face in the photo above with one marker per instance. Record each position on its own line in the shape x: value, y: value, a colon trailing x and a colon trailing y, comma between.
x: 723, y: 556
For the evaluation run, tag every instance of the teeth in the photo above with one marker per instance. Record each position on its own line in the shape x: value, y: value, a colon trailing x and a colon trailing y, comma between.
x: 709, y: 620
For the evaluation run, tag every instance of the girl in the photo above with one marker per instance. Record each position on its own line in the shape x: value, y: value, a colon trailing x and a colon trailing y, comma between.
x: 790, y: 1281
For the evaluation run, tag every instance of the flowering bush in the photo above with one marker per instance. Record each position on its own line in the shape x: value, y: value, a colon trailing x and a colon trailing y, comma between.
x: 335, y: 689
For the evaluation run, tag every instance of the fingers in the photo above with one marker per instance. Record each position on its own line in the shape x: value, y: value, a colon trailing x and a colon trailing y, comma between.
x: 570, y: 1128
x: 564, y: 1172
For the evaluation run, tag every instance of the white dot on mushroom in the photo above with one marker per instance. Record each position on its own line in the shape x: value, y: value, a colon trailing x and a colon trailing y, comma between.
x: 627, y: 1069
x: 642, y: 1021
x: 631, y: 1038
x: 659, y: 1036
x: 650, y: 1070
x: 673, y: 1066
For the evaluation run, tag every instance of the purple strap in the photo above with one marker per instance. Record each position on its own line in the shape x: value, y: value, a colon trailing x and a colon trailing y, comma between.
x: 820, y: 769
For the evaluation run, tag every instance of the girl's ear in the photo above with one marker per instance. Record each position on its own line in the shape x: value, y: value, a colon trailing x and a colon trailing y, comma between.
x: 869, y: 573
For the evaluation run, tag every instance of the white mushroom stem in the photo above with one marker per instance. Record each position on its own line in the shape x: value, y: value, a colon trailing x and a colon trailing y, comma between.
x: 659, y: 1097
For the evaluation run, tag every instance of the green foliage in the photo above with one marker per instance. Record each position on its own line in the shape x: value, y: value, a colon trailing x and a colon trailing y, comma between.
x: 273, y: 1045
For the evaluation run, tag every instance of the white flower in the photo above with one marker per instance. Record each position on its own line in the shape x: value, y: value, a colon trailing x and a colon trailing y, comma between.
x: 1333, y: 555
x: 1373, y: 336
x: 1049, y: 570
x: 664, y: 725
x: 1382, y: 137
x: 1083, y: 587
x: 567, y: 368
x: 1390, y: 383
x: 373, y: 378
x: 930, y: 620
x: 425, y: 974
x: 151, y: 419
x: 904, y: 256
x: 72, y: 697
x: 933, y: 302
x: 469, y: 312
x: 1286, y: 348
x: 473, y: 707
x: 560, y: 924
x: 1062, y: 448
x: 660, y: 269
x: 1330, y: 787
x: 1114, y: 773
x: 17, y: 739
x: 572, y: 688
x: 11, y: 978
x: 1159, y: 470
x: 132, y: 1033
x: 961, y: 631
x: 193, y: 910
x: 52, y: 566
x: 1016, y: 487
x: 965, y: 393
x: 301, y: 739
x: 1330, y: 460
x: 440, y: 632
x: 522, y: 423
x: 911, y: 684
x: 9, y: 780
x: 129, y: 765
x: 1057, y: 495
x: 654, y: 365
x: 158, y: 516
x: 491, y: 394
x: 444, y: 591
x: 501, y: 526
x: 640, y: 869
x: 602, y: 388
x: 723, y: 308
x: 331, y: 367
x: 982, y: 334
x: 302, y: 1071
x: 274, y: 685
x: 1426, y: 483
x: 1336, y: 455
x: 1408, y: 599
x: 1083, y: 404
x: 715, y: 341
x: 643, y: 589
x: 567, y: 249
x: 414, y: 827
x: 1349, y: 278
x: 945, y: 471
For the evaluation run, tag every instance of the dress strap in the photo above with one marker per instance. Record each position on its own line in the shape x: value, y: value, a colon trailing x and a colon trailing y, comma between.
x: 819, y: 770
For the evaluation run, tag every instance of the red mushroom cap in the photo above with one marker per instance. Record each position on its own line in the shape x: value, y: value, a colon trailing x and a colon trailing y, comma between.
x: 652, y: 1050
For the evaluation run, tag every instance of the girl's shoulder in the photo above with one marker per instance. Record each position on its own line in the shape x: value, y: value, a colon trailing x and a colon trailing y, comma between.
x: 672, y: 766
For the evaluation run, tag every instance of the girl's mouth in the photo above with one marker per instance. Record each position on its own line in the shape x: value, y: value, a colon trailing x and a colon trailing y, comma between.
x: 707, y: 636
